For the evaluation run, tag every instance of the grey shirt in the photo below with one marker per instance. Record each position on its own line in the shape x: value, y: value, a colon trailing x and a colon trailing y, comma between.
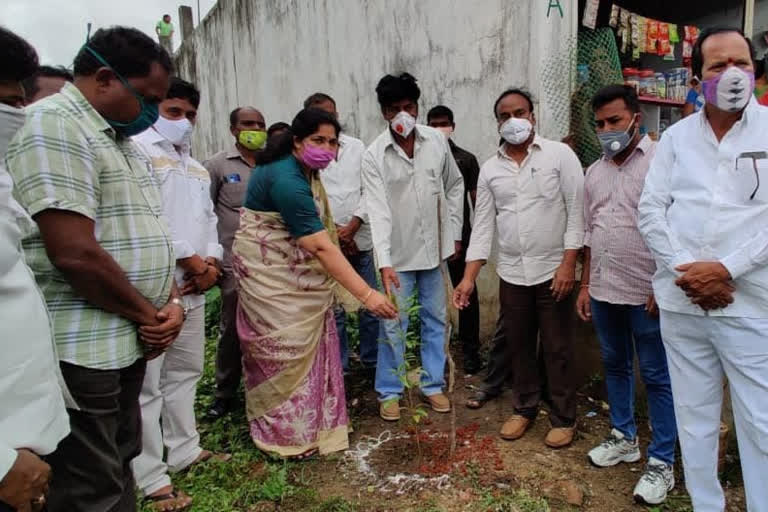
x: 229, y: 181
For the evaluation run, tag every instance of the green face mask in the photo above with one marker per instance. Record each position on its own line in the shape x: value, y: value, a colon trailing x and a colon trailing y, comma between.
x: 147, y: 115
x: 251, y: 139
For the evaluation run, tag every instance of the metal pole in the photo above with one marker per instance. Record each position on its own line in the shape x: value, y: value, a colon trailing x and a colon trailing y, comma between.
x: 198, y: 13
x: 749, y: 18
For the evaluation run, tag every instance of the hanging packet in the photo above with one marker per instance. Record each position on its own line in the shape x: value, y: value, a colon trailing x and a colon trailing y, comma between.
x: 590, y: 14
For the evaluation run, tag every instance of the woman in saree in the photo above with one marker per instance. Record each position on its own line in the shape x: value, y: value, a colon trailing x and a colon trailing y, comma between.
x: 290, y: 273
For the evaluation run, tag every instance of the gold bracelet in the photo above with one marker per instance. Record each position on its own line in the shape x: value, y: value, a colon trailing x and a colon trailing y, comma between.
x: 585, y: 285
x: 370, y: 292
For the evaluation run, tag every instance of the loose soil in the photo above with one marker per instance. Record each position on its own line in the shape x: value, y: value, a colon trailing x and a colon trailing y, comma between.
x: 484, y: 465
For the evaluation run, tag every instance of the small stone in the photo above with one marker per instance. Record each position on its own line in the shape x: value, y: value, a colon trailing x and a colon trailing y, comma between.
x: 572, y: 493
x: 465, y: 496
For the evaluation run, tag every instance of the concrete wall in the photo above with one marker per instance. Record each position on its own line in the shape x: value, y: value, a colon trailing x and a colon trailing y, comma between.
x: 273, y: 53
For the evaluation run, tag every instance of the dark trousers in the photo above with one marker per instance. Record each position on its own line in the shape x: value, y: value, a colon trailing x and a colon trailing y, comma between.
x: 6, y: 508
x: 92, y: 466
x: 532, y: 317
x: 469, y: 317
x: 229, y: 364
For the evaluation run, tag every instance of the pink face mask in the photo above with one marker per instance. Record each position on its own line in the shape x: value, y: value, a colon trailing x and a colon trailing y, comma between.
x: 316, y: 157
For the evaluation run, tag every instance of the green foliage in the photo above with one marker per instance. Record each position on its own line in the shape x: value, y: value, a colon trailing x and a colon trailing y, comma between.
x: 517, y: 501
x: 212, y: 312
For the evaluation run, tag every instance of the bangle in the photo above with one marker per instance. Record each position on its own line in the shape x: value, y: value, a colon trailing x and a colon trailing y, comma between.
x: 368, y: 296
x: 585, y: 285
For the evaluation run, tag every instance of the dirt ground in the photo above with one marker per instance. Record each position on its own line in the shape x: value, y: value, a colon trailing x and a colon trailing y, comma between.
x: 489, y: 467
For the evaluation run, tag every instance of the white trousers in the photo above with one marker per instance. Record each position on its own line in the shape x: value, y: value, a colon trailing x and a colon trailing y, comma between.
x: 701, y: 350
x: 168, y: 394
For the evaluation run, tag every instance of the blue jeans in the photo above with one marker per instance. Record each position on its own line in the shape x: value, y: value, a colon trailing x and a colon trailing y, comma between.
x: 622, y: 330
x: 368, y: 324
x: 431, y: 296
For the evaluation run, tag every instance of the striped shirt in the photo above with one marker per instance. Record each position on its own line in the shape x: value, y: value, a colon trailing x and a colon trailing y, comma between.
x: 67, y: 157
x: 621, y: 267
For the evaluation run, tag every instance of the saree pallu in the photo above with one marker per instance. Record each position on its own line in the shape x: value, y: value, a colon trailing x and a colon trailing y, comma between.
x: 293, y: 376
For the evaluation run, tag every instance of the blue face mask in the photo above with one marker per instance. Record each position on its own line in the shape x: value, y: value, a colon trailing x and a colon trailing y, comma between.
x: 614, y: 143
x: 147, y: 115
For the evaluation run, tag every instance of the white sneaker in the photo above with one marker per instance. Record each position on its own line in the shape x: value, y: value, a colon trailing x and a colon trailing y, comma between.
x: 656, y: 482
x: 613, y: 450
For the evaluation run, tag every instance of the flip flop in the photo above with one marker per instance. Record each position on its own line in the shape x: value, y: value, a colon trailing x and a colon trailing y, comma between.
x: 174, y: 501
x: 309, y: 454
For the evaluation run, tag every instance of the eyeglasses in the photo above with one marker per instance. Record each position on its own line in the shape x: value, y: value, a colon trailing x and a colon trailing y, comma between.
x: 754, y: 156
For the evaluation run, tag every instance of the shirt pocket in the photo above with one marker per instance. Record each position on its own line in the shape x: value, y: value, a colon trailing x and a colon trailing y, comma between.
x: 547, y: 181
x: 750, y: 182
x: 234, y: 192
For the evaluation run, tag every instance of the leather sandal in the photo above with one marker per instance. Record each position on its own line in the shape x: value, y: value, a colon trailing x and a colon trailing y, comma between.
x: 479, y: 399
x: 174, y: 501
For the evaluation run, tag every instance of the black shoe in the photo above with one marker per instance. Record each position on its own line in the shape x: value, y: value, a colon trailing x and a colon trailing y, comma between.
x: 219, y: 408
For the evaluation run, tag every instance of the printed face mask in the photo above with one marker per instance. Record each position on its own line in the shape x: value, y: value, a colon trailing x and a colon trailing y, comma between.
x: 251, y: 139
x: 403, y: 124
x: 148, y: 112
x: 516, y: 130
x: 177, y: 132
x: 316, y: 157
x: 615, y: 142
x: 730, y: 90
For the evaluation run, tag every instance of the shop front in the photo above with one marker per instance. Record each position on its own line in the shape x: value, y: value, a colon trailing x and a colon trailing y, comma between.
x: 648, y: 44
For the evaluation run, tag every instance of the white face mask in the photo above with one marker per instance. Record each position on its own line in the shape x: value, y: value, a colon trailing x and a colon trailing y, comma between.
x: 11, y: 119
x: 176, y: 132
x: 516, y: 130
x: 447, y: 131
x: 403, y: 124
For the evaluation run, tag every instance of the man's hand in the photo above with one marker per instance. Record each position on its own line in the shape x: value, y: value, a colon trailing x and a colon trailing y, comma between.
x: 193, y: 265
x: 584, y: 305
x: 347, y: 233
x: 458, y: 251
x: 389, y: 280
x: 698, y: 275
x: 651, y: 307
x: 564, y: 280
x: 160, y: 337
x: 706, y: 283
x: 350, y: 249
x: 462, y: 293
x: 26, y: 481
x: 720, y: 296
x: 202, y: 282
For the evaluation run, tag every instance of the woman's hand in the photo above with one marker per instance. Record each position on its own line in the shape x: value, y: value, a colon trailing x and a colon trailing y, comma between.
x: 379, y: 305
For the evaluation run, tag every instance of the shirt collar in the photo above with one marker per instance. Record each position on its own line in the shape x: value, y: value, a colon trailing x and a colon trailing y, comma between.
x: 749, y: 112
x: 73, y: 95
x: 536, y: 143
x: 233, y: 153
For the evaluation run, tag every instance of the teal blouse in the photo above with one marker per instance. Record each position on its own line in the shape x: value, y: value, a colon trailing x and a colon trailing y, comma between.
x: 281, y: 187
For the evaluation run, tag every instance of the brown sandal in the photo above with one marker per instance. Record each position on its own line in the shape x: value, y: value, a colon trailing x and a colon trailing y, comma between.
x: 174, y: 501
x: 207, y: 455
x: 479, y: 399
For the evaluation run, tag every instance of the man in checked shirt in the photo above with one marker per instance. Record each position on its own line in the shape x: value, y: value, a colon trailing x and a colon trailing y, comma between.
x: 616, y: 293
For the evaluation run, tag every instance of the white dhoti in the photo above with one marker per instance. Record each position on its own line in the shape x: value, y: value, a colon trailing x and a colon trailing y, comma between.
x: 168, y: 393
x: 701, y: 351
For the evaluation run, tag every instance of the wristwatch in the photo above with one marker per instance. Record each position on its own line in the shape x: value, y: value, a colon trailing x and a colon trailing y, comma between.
x: 181, y: 304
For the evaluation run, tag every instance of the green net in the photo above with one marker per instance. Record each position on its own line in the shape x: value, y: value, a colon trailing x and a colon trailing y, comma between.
x: 598, y: 65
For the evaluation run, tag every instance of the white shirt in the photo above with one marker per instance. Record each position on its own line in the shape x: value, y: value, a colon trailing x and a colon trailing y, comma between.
x: 696, y: 206
x: 402, y: 198
x: 32, y: 408
x: 343, y: 183
x: 537, y: 208
x: 185, y: 186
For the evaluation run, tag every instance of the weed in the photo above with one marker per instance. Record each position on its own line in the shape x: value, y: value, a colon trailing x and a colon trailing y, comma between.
x: 517, y: 501
x: 335, y: 504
